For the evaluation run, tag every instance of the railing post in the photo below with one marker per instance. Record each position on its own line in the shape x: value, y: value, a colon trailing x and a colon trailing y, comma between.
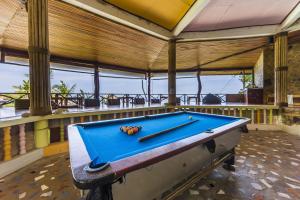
x: 22, y: 139
x: 62, y: 130
x: 82, y: 120
x: 252, y: 116
x: 265, y: 116
x: 258, y: 116
x: 7, y: 143
x: 271, y: 116
x: 41, y: 133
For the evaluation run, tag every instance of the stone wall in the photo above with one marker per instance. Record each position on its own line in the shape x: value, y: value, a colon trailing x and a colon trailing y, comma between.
x: 268, y: 73
x: 259, y: 71
x: 294, y: 69
x: 264, y: 71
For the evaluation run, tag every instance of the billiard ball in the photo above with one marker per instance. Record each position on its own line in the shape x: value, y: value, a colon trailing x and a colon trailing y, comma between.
x: 123, y: 128
x: 135, y: 129
x: 190, y: 117
x: 130, y: 132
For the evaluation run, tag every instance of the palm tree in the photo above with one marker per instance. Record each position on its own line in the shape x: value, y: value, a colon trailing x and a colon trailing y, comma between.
x: 63, y: 89
x: 23, y: 88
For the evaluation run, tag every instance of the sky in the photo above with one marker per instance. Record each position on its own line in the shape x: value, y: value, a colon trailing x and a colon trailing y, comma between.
x: 11, y: 75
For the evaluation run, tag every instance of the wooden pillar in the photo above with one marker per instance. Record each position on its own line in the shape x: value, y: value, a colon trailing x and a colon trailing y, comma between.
x: 96, y: 83
x: 2, y: 57
x: 38, y: 50
x: 149, y: 89
x: 280, y: 56
x: 253, y: 78
x: 199, y: 87
x: 172, y: 73
x: 244, y: 81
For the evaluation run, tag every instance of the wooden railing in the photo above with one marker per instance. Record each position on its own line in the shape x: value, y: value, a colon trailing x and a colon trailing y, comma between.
x: 76, y: 100
x: 21, y: 135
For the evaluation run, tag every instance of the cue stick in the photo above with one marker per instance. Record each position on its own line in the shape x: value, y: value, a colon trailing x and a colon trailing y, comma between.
x: 165, y: 131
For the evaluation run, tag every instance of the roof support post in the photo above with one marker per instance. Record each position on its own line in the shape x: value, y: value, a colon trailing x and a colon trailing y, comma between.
x: 2, y: 58
x: 198, y: 100
x: 172, y: 73
x: 253, y: 77
x: 96, y: 83
x: 149, y: 88
x: 39, y: 57
x: 244, y: 80
x: 281, y: 68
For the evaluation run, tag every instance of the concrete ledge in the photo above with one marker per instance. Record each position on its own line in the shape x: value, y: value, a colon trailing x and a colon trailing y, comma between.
x: 56, y: 148
x: 19, y: 162
x: 264, y: 127
x: 294, y: 129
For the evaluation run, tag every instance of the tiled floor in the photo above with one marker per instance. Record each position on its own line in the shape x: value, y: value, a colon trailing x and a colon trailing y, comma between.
x: 267, y: 167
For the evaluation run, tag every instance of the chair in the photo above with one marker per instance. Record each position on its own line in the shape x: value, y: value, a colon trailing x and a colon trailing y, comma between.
x: 235, y: 98
x: 178, y: 101
x: 212, y: 99
x: 113, y: 102
x: 139, y: 101
x: 155, y: 101
x: 22, y: 104
x: 91, y: 103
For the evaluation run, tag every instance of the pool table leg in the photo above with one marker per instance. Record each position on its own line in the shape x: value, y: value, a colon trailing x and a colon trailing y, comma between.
x: 100, y: 192
x: 229, y: 164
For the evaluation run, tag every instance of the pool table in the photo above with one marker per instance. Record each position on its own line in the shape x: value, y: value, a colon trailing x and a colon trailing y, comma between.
x: 115, y: 165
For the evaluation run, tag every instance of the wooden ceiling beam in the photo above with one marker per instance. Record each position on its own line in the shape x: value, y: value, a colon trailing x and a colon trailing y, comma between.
x: 207, y: 69
x: 119, y: 16
x: 198, y: 6
x: 289, y: 21
x: 235, y: 33
x: 229, y: 56
x: 73, y: 61
x: 92, y: 64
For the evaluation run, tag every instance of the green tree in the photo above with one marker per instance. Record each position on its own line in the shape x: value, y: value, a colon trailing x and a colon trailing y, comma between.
x: 246, y: 80
x: 63, y: 88
x: 23, y: 88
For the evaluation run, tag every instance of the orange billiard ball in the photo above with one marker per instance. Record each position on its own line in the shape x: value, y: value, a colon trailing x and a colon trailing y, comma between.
x: 130, y: 132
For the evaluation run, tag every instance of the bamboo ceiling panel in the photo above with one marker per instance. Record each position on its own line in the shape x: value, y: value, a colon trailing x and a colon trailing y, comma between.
x: 75, y: 33
x: 8, y: 10
x: 165, y: 13
x: 191, y: 54
x: 244, y: 60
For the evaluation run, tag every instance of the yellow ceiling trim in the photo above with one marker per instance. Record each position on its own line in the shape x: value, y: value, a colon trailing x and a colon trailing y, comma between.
x: 166, y: 13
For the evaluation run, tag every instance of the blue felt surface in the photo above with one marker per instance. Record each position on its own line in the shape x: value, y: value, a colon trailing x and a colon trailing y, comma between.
x: 105, y: 142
